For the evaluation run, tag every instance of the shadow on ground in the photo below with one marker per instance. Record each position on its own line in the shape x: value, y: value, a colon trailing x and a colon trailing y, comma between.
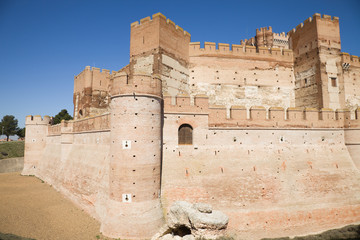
x: 349, y: 232
x: 8, y: 236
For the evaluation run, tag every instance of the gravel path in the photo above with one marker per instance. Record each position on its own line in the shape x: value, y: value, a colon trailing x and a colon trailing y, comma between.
x: 32, y: 209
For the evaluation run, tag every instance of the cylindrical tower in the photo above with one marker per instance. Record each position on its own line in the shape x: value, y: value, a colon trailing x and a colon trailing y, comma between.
x: 134, y: 210
x: 36, y: 130
x: 156, y: 45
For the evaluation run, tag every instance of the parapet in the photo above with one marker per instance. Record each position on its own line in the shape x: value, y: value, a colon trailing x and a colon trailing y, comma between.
x: 91, y: 124
x: 95, y: 70
x: 277, y: 117
x: 148, y: 19
x: 92, y: 77
x: 37, y: 120
x: 316, y: 16
x: 264, y: 30
x: 240, y: 51
x: 136, y: 84
x: 183, y: 104
x: 282, y: 35
x: 259, y: 116
x: 350, y: 59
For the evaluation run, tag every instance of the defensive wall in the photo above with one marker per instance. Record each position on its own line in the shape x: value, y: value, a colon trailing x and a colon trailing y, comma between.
x: 244, y: 162
x: 243, y: 75
x: 275, y: 170
x: 266, y: 140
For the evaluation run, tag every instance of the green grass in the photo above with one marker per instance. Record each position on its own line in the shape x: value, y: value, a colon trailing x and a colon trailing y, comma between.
x: 12, y: 149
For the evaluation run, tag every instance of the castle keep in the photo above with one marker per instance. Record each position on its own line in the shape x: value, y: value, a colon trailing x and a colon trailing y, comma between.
x: 267, y: 131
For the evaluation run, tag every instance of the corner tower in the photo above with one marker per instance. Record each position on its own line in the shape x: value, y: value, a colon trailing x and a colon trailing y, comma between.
x: 36, y: 131
x: 318, y: 75
x: 134, y: 210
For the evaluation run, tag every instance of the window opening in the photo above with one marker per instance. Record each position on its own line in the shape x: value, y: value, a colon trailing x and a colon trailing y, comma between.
x: 333, y: 82
x: 185, y: 135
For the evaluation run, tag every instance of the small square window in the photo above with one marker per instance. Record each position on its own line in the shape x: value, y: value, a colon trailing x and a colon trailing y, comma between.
x: 333, y: 82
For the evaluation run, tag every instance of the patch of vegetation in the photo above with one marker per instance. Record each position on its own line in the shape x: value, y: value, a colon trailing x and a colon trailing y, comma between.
x: 8, y: 236
x: 11, y: 149
x: 351, y: 232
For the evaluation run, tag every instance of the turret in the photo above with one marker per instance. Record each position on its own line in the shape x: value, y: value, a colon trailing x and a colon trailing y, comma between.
x: 91, y: 92
x: 134, y: 208
x: 36, y: 131
x: 316, y: 45
x: 264, y: 37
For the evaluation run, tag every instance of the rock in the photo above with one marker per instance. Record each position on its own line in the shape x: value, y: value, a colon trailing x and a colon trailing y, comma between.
x: 203, y: 207
x: 164, y: 230
x: 179, y: 214
x: 215, y: 220
x: 198, y: 219
x: 167, y: 237
x: 188, y: 237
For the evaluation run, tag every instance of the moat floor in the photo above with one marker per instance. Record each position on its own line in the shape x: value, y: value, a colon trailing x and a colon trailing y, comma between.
x: 33, y: 209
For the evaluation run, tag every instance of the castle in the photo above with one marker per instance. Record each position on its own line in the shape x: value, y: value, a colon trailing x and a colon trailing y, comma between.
x: 267, y: 131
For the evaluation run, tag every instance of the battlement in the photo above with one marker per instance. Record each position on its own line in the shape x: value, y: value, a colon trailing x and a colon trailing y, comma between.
x: 183, y: 105
x: 259, y: 116
x: 264, y: 30
x: 159, y: 32
x: 241, y: 51
x: 147, y: 20
x: 92, y: 77
x: 350, y: 59
x: 94, y: 70
x: 37, y: 120
x: 97, y: 123
x: 121, y: 83
x: 281, y: 35
x: 310, y: 20
x: 54, y: 130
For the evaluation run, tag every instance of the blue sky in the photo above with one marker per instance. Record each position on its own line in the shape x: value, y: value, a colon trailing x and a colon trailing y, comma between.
x: 44, y: 44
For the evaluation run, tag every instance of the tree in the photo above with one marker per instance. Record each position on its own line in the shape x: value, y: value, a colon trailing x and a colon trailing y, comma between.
x: 20, y: 132
x: 62, y: 115
x: 9, y: 126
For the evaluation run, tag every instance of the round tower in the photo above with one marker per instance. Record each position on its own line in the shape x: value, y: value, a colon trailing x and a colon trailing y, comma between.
x: 134, y: 209
x: 36, y: 131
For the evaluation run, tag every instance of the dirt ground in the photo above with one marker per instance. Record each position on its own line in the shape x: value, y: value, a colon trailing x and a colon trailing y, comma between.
x: 33, y: 209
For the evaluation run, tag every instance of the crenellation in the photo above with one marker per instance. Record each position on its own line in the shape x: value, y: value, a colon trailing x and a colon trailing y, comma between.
x: 37, y: 120
x: 308, y: 20
x: 242, y: 51
x: 147, y: 20
x: 171, y: 22
x: 327, y: 114
x: 276, y: 113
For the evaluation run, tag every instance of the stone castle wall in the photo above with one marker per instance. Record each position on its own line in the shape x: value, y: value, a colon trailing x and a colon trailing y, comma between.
x: 273, y: 144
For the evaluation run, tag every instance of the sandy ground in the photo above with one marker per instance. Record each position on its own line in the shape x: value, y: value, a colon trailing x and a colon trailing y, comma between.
x: 30, y: 208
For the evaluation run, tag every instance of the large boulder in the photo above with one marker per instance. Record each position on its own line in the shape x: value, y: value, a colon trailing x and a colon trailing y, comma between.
x: 198, y: 219
x: 178, y: 215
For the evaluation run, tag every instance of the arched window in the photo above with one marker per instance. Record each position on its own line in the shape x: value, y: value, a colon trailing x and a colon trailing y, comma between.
x: 185, y: 134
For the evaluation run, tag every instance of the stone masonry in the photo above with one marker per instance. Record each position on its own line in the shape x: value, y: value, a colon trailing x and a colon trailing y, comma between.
x: 266, y: 131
